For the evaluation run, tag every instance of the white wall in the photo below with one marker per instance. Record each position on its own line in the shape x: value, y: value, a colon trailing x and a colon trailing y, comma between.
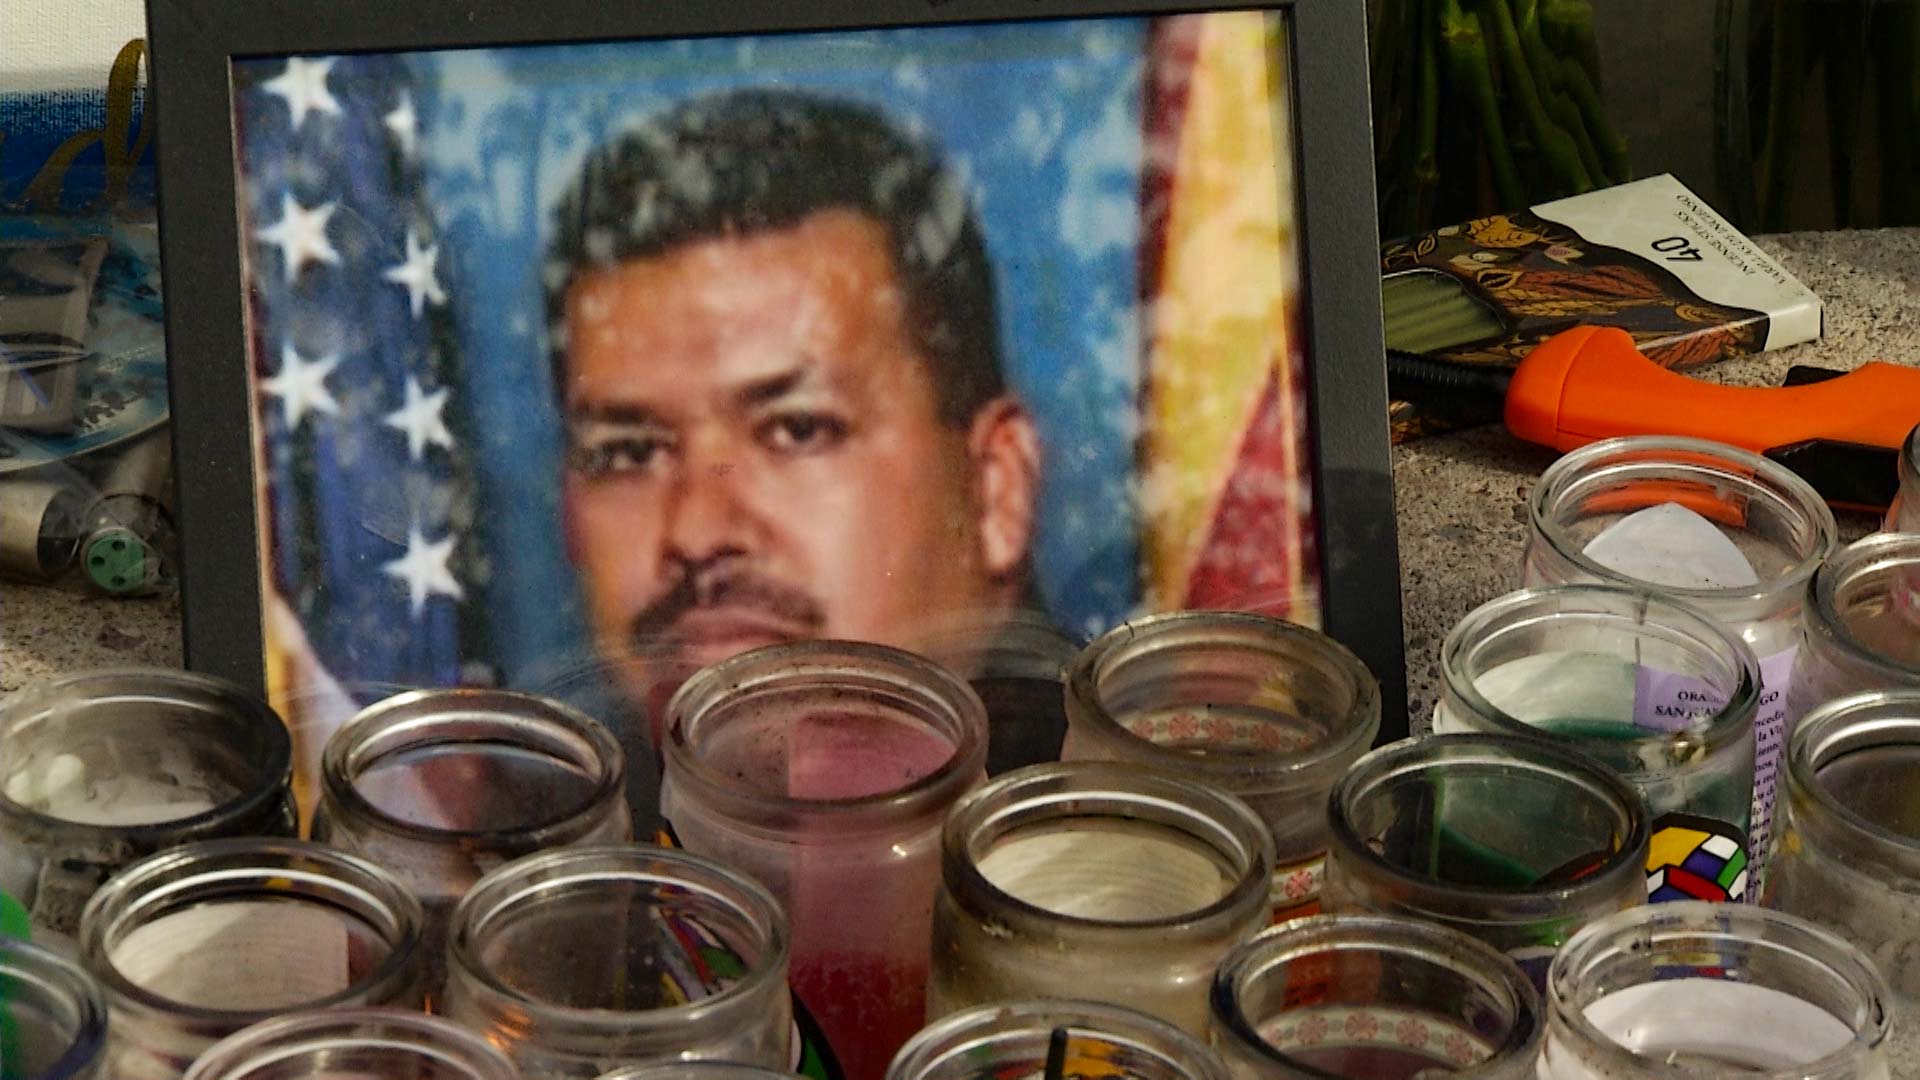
x: 64, y: 44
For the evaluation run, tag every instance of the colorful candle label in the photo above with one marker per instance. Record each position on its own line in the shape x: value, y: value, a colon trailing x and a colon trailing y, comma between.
x: 708, y: 961
x: 1696, y: 858
x: 13, y: 924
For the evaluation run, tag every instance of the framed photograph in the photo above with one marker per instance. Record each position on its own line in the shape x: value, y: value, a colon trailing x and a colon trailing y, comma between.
x: 513, y: 342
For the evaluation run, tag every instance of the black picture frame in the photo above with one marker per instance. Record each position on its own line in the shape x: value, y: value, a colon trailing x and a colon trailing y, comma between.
x: 193, y: 43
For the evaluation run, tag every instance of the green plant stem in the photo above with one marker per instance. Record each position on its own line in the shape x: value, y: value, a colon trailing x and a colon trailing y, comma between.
x: 1469, y: 66
x: 1426, y: 162
x: 1545, y: 69
x: 1607, y: 140
x: 1568, y: 26
x: 1557, y: 148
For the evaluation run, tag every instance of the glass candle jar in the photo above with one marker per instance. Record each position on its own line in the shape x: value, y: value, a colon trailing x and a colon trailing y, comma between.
x: 1725, y: 531
x: 351, y: 1043
x: 578, y: 960
x: 197, y: 943
x: 1054, y: 1038
x: 824, y: 769
x: 1518, y: 842
x: 697, y: 1070
x: 1098, y: 880
x: 1374, y: 998
x: 103, y: 768
x: 1698, y: 989
x: 1848, y: 856
x: 1017, y: 662
x: 53, y: 1017
x: 1861, y: 622
x: 1904, y: 514
x: 1267, y: 710
x: 1652, y: 688
x: 442, y: 786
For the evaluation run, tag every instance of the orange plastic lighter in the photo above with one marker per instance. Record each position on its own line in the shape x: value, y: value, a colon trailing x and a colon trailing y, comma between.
x: 1841, y: 431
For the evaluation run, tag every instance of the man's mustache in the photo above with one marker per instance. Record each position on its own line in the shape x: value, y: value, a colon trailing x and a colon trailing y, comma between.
x: 724, y: 587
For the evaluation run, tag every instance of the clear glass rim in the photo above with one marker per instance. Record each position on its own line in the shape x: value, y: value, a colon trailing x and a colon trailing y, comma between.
x: 276, y: 769
x: 235, y: 869
x: 43, y: 967
x: 1594, y: 464
x: 1437, y: 945
x: 1681, y: 926
x: 283, y: 1038
x: 970, y: 1030
x: 697, y: 1070
x: 1147, y: 637
x: 1541, y: 756
x: 496, y: 894
x: 949, y: 705
x: 404, y: 721
x: 1878, y: 553
x: 1067, y: 789
x: 1731, y: 722
x: 1843, y: 725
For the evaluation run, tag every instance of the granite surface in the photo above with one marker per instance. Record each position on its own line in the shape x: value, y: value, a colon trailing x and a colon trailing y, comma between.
x: 1461, y: 499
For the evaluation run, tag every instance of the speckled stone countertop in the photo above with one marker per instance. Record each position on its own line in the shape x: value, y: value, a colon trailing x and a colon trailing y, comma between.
x: 1461, y: 498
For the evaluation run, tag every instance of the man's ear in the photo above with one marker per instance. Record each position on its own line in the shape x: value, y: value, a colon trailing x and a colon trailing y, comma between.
x: 1005, y: 449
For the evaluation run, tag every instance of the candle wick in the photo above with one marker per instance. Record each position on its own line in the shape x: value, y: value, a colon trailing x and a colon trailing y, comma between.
x: 1057, y: 1054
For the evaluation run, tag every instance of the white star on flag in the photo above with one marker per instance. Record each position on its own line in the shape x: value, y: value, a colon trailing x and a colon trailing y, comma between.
x: 304, y: 88
x: 301, y: 386
x: 416, y: 273
x: 301, y: 235
x: 424, y: 569
x: 420, y: 419
x: 404, y: 123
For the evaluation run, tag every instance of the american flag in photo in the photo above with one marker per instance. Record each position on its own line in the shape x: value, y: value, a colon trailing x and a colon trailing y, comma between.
x: 368, y: 477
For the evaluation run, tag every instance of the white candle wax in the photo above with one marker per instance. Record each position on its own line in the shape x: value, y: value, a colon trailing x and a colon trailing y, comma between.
x: 64, y: 787
x: 1713, y: 1024
x: 1116, y: 870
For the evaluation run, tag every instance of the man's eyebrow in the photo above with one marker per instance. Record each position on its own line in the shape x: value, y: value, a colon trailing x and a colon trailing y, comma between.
x: 613, y: 412
x: 770, y: 387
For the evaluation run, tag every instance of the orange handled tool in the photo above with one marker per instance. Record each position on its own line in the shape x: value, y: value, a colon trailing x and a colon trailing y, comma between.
x: 1841, y: 431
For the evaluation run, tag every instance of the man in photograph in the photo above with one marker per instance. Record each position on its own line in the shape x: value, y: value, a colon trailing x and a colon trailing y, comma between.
x: 778, y: 360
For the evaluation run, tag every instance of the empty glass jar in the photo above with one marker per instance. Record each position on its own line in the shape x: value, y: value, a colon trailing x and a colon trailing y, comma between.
x: 1054, y: 1038
x: 1515, y: 841
x: 442, y: 786
x: 197, y: 943
x: 824, y: 769
x: 1904, y: 514
x: 582, y: 959
x: 1699, y: 989
x: 352, y: 1043
x: 103, y: 768
x: 53, y: 1017
x: 697, y: 1070
x: 1095, y: 880
x: 1727, y: 532
x: 1848, y: 856
x: 1861, y: 622
x: 1652, y: 688
x: 1017, y: 662
x: 1374, y: 997
x: 1267, y: 710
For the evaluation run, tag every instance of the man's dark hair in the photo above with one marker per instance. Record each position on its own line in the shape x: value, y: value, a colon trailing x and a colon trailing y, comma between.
x: 745, y: 161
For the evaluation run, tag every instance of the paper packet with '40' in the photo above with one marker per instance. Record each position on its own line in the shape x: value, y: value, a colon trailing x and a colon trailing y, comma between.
x: 1648, y: 257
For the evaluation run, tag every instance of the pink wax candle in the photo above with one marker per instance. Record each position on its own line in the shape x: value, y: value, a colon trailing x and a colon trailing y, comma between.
x: 825, y: 770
